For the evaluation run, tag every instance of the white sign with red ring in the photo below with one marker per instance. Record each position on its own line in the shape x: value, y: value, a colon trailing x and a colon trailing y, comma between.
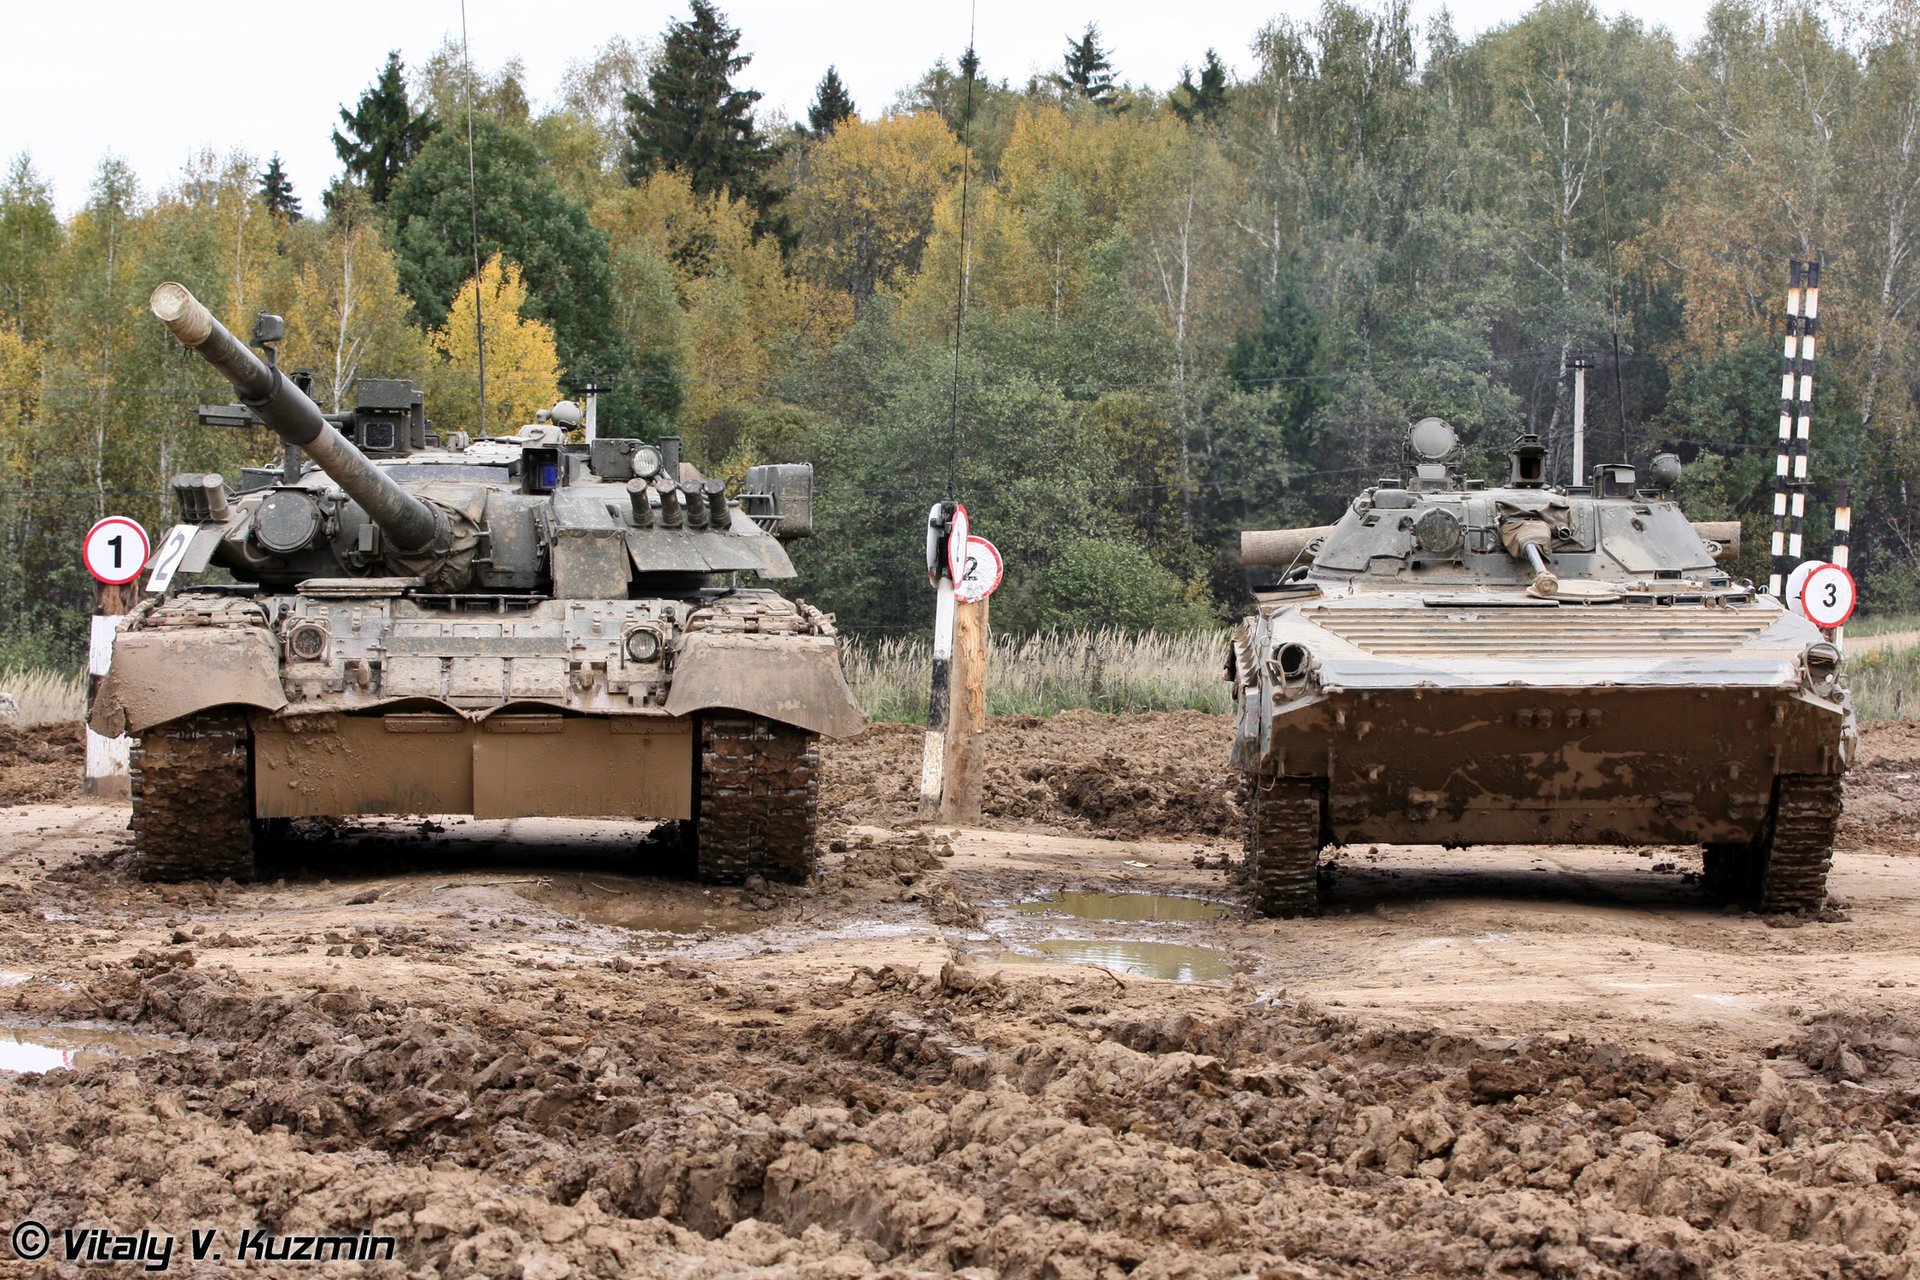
x: 116, y: 550
x: 980, y: 576
x: 959, y: 529
x: 1828, y: 596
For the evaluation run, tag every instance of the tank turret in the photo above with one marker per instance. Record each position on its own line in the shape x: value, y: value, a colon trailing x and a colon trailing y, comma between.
x: 413, y: 525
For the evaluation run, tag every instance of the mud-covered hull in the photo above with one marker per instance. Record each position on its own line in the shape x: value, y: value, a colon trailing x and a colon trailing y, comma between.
x: 355, y: 698
x: 505, y: 766
x: 1461, y: 724
x: 1551, y: 765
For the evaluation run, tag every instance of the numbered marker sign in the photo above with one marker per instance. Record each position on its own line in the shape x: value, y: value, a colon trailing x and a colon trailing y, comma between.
x: 959, y: 530
x: 1828, y: 596
x: 947, y: 538
x: 980, y: 576
x: 116, y: 550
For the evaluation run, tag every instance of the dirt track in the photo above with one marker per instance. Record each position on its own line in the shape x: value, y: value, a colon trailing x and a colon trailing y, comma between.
x: 521, y: 1060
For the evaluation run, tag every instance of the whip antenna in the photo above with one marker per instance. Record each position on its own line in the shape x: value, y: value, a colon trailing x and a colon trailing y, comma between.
x: 969, y: 63
x: 473, y: 229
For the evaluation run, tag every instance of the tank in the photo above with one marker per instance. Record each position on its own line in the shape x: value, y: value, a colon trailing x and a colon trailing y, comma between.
x: 414, y: 622
x: 1461, y: 663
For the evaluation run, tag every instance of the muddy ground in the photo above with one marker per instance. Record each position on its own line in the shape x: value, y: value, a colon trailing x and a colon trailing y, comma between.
x: 503, y: 1046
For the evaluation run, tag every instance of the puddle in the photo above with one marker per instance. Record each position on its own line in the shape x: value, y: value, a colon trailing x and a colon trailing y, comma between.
x: 1127, y: 907
x: 8, y: 978
x: 1144, y: 959
x: 34, y: 1049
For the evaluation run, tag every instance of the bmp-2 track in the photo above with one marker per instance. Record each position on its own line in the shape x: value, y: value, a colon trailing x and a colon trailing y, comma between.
x: 1456, y: 664
x: 506, y: 627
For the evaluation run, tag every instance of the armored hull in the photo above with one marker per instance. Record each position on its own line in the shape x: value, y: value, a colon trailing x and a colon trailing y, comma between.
x: 1450, y: 692
x: 513, y: 627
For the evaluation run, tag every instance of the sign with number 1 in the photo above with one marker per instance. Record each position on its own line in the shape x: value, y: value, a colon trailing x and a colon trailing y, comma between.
x: 116, y: 550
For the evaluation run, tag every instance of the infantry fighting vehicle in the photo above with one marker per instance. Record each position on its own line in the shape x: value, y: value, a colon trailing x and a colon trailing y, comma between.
x: 503, y: 627
x: 1456, y: 664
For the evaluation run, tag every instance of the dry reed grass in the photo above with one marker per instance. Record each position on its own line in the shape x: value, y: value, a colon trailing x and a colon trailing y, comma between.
x: 1038, y: 675
x: 45, y: 697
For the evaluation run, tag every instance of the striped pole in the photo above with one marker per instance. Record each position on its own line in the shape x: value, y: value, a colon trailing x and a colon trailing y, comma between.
x: 1842, y: 533
x: 1789, y: 392
x: 1809, y: 320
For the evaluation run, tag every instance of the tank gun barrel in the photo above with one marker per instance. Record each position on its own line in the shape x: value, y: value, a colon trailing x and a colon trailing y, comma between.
x: 409, y: 523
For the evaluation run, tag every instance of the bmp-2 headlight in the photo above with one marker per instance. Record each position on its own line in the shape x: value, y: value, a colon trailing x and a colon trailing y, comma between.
x: 643, y: 644
x: 1823, y: 668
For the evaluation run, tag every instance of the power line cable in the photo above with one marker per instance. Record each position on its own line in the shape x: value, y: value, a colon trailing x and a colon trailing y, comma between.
x: 969, y: 63
x: 473, y: 226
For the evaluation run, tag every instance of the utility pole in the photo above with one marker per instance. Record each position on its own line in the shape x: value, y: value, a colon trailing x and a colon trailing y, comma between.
x: 1580, y: 364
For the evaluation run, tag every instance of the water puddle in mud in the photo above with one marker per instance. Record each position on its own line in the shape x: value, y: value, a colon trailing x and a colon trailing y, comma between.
x: 1167, y: 960
x: 28, y: 1050
x: 1126, y: 907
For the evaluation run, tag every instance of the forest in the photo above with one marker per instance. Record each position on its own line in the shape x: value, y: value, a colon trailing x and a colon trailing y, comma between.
x: 1120, y: 322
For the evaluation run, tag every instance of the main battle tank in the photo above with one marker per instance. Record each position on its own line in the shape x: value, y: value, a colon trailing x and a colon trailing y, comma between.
x: 503, y: 627
x: 1456, y: 664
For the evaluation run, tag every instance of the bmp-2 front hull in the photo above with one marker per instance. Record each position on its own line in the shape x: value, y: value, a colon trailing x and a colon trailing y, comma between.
x: 1462, y: 719
x: 1552, y: 765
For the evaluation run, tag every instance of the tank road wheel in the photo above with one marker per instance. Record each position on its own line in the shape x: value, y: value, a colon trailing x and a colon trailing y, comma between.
x: 193, y: 798
x: 1284, y: 835
x: 758, y: 797
x: 1784, y: 868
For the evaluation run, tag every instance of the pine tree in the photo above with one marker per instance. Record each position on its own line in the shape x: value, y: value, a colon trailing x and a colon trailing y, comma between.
x: 831, y: 104
x: 276, y: 189
x: 383, y: 132
x: 691, y: 117
x: 1203, y: 102
x: 1087, y: 73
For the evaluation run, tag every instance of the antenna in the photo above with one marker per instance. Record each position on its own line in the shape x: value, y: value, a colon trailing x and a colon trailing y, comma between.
x: 968, y: 64
x: 473, y: 229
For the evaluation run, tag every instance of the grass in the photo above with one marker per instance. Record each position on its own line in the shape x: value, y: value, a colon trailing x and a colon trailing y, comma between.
x: 1038, y: 675
x: 1885, y: 683
x: 1880, y: 624
x: 45, y: 697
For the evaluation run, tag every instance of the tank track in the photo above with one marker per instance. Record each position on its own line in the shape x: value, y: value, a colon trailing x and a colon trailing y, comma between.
x: 1284, y: 835
x: 193, y: 798
x: 1793, y: 868
x: 758, y: 802
x: 1784, y: 868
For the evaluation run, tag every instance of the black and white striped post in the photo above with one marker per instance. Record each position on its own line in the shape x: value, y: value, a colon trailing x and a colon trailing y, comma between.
x: 946, y: 522
x: 1796, y: 422
x: 1842, y: 534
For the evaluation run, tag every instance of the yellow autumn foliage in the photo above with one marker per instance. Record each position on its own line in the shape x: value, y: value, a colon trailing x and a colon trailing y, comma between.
x: 522, y: 368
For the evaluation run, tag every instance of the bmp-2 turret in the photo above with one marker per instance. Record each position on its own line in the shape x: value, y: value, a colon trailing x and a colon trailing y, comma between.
x: 1455, y: 663
x: 421, y: 623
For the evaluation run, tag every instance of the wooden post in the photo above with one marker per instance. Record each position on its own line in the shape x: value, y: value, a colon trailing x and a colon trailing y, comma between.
x: 106, y: 767
x: 960, y: 800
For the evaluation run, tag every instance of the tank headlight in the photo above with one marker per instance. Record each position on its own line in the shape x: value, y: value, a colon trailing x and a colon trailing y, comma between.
x: 646, y: 462
x: 1823, y: 667
x: 307, y: 642
x: 643, y: 644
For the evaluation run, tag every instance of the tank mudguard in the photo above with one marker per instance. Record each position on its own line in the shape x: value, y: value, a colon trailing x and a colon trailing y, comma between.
x: 795, y: 679
x: 164, y: 673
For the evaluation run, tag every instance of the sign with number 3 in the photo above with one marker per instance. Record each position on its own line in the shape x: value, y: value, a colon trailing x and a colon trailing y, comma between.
x: 1828, y: 596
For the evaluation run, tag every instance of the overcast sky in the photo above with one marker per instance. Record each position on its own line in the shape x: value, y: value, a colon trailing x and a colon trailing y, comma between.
x: 154, y: 82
